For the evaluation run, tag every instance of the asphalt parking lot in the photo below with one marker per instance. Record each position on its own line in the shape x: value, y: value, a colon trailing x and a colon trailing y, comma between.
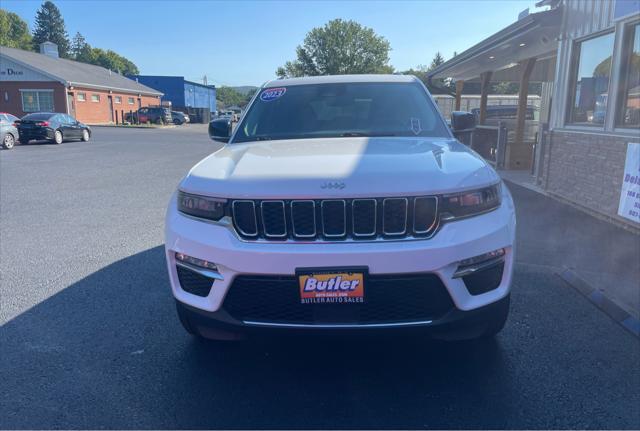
x: 89, y: 336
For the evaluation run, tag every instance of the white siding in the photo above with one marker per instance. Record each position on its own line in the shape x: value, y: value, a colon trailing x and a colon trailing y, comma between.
x: 12, y: 71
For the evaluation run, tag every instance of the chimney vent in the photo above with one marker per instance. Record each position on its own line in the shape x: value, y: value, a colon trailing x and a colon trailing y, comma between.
x: 49, y: 48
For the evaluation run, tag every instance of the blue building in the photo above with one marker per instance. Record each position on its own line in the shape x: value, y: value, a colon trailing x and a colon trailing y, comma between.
x: 181, y: 93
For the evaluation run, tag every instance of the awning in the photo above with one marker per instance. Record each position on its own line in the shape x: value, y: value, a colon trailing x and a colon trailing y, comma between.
x: 535, y: 35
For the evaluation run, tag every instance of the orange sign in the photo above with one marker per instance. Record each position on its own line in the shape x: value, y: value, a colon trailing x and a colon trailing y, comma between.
x: 336, y: 288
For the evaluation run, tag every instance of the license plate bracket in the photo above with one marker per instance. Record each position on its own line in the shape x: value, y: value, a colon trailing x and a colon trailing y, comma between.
x: 341, y: 285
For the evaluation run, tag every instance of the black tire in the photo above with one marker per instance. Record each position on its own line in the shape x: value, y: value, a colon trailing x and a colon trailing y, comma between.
x: 177, y: 122
x: 183, y: 316
x: 497, y: 321
x: 158, y: 121
x: 9, y: 141
x: 57, y: 137
x: 85, y: 135
x: 482, y: 331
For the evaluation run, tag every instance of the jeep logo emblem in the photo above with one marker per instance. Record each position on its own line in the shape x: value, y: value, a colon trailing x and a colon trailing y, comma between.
x: 338, y: 185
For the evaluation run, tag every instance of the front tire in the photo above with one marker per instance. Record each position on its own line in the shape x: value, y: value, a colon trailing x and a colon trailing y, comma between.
x: 57, y: 137
x: 8, y: 142
x: 183, y: 316
x: 85, y: 135
x: 497, y: 321
x: 484, y: 330
x: 177, y: 122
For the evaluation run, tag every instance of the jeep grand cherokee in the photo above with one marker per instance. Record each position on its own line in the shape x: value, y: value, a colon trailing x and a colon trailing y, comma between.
x: 341, y: 202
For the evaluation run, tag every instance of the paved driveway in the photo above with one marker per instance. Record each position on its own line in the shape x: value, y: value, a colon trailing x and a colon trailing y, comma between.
x: 89, y: 338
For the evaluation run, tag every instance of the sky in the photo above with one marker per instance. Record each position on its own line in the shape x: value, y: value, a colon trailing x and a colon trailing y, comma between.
x: 244, y: 42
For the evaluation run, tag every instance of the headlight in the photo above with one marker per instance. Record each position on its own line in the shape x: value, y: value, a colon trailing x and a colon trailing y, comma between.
x: 201, y: 206
x: 470, y: 203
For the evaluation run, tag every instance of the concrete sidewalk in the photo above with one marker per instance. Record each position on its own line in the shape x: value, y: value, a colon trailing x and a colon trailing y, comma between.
x: 557, y: 235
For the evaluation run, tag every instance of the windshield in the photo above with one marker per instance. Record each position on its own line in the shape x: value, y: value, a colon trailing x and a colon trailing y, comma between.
x: 37, y: 117
x: 340, y: 110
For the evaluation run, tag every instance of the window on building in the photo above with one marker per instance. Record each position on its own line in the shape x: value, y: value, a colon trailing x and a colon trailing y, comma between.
x: 590, y: 89
x: 81, y: 97
x: 118, y: 99
x: 95, y: 97
x: 130, y: 101
x: 629, y: 114
x: 37, y: 100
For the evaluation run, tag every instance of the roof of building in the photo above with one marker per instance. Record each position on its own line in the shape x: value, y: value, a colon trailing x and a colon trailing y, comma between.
x: 335, y: 79
x: 76, y: 73
x: 534, y: 35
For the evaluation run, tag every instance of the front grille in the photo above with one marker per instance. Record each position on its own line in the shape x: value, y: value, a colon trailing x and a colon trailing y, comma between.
x: 193, y: 282
x: 388, y: 299
x: 336, y: 219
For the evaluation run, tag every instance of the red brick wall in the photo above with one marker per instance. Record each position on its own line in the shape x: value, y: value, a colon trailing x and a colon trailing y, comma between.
x: 92, y: 112
x: 11, y: 100
x: 88, y: 111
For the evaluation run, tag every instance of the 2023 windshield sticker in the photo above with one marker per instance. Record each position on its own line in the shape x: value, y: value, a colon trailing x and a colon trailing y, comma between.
x: 272, y: 94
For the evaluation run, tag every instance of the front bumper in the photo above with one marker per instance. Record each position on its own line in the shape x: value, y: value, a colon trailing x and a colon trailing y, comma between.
x: 439, y: 255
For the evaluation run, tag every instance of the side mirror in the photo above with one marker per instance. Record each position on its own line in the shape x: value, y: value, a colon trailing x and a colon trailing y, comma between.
x: 462, y: 121
x: 220, y: 130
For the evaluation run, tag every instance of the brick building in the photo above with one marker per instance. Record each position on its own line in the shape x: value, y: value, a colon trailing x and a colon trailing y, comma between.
x: 586, y: 54
x: 33, y: 82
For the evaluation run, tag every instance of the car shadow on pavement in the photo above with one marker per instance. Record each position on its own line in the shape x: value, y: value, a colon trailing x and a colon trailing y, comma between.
x: 108, y: 351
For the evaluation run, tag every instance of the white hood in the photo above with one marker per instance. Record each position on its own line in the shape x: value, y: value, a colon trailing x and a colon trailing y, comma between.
x: 367, y: 167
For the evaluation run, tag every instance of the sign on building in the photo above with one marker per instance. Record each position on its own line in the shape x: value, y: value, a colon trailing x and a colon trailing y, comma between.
x: 629, y: 206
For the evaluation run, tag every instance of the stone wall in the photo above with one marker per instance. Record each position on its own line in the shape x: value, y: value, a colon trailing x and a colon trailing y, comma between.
x: 587, y: 170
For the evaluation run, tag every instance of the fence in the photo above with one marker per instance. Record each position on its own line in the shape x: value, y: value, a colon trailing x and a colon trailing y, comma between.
x: 446, y: 104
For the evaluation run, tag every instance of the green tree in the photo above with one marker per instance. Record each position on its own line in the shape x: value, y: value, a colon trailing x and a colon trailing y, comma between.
x: 50, y: 27
x: 14, y: 32
x: 113, y: 61
x: 227, y: 96
x: 80, y: 49
x: 340, y: 47
x: 438, y: 59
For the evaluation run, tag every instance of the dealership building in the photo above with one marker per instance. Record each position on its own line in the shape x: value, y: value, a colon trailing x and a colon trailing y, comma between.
x: 584, y: 148
x: 43, y: 82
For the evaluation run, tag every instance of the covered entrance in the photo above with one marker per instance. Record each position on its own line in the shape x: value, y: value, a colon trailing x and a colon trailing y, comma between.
x: 510, y: 136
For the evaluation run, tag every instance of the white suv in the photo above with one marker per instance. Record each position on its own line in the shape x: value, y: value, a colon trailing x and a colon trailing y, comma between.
x: 341, y: 202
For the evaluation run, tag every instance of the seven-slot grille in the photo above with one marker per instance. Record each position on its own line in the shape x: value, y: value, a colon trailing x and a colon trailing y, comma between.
x: 336, y: 219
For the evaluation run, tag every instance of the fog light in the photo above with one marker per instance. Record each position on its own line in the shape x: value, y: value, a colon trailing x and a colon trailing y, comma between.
x: 477, y: 263
x: 196, y: 262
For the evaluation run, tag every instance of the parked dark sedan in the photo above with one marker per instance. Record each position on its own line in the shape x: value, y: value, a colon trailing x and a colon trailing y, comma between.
x: 51, y: 126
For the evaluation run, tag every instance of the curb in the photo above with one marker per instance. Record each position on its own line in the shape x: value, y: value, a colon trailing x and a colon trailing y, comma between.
x: 613, y: 310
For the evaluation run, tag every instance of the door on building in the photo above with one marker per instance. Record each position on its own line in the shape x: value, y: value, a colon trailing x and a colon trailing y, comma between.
x: 110, y: 99
x: 139, y: 103
x: 71, y: 103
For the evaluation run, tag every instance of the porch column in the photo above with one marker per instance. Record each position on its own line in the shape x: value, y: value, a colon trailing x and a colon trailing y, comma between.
x: 485, y: 82
x: 526, y: 67
x: 459, y: 87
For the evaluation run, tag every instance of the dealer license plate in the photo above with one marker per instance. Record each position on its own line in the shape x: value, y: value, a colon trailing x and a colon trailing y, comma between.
x: 331, y: 287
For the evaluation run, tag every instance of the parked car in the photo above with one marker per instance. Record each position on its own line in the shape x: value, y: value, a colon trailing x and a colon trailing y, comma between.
x: 155, y: 115
x: 179, y: 117
x: 8, y: 131
x: 51, y: 126
x: 338, y: 203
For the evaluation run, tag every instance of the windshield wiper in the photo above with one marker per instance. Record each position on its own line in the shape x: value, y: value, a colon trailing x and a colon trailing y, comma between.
x: 261, y: 138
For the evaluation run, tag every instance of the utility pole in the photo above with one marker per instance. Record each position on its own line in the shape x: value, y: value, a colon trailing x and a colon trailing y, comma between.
x: 204, y: 80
